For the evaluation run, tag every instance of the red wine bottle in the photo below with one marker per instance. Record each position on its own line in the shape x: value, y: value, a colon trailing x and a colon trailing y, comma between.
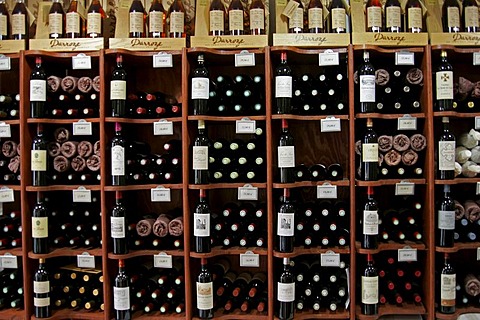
x: 286, y: 292
x: 451, y: 16
x: 446, y: 153
x: 283, y: 86
x: 118, y: 154
x: 286, y: 155
x: 118, y: 89
x: 414, y: 16
x: 20, y: 21
x: 257, y: 17
x: 121, y: 293
x: 369, y: 154
x: 444, y: 84
x: 338, y: 19
x: 156, y: 20
x: 41, y: 291
x: 137, y: 17
x: 370, y: 222
x: 118, y: 226
x: 200, y: 158
x: 393, y: 16
x: 296, y: 21
x: 316, y: 23
x: 40, y: 226
x: 200, y: 87
x: 447, y: 287
x: 286, y: 223
x: 95, y: 18
x: 370, y: 288
x: 446, y: 219
x: 470, y: 16
x: 73, y: 22
x: 56, y: 20
x: 201, y: 230
x: 176, y: 15
x: 204, y: 291
x: 39, y: 158
x: 366, y: 74
x: 374, y: 16
x: 38, y: 90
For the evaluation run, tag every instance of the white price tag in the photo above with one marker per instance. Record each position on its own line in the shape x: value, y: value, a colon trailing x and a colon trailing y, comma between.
x: 477, y: 122
x: 405, y: 189
x: 249, y: 259
x: 248, y: 193
x: 404, y: 58
x: 85, y: 260
x: 9, y: 261
x: 478, y: 253
x: 328, y: 58
x: 327, y: 192
x: 5, y: 131
x: 163, y: 128
x: 407, y: 255
x: 330, y: 260
x: 81, y: 62
x: 244, y: 59
x: 161, y: 194
x: 407, y: 123
x: 245, y: 126
x: 477, y: 189
x: 163, y: 60
x: 162, y: 260
x: 476, y: 58
x: 5, y: 63
x: 330, y: 124
x: 6, y: 195
x: 82, y: 128
x: 82, y: 195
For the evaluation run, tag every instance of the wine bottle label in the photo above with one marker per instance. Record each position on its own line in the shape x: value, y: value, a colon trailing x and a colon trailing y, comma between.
x: 3, y: 25
x: 393, y: 16
x: 235, y: 20
x: 118, y: 90
x: 39, y: 227
x: 446, y: 220
x: 286, y: 157
x: 38, y: 90
x: 370, y: 290
x: 41, y: 286
x: 204, y: 296
x: 94, y: 22
x: 374, y: 17
x: 18, y: 24
x: 121, y: 298
x: 415, y: 18
x: 217, y: 22
x: 370, y: 152
x: 202, y: 225
x: 283, y: 87
x: 38, y: 160
x: 200, y: 158
x: 117, y: 227
x: 41, y: 302
x: 315, y: 18
x: 200, y: 88
x: 453, y: 17
x: 285, y: 224
x: 370, y: 222
x: 285, y: 292
x: 447, y: 289
x: 155, y: 21
x: 338, y: 18
x: 446, y: 155
x: 55, y: 23
x: 118, y: 161
x: 367, y: 88
x: 296, y: 20
x: 257, y: 19
x: 444, y: 85
x: 136, y: 22
x: 177, y: 22
x: 471, y: 16
x: 72, y: 24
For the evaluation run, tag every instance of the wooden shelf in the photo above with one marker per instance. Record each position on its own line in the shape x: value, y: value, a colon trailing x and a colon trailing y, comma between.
x: 11, y: 122
x: 389, y: 116
x: 459, y: 311
x: 56, y: 55
x: 458, y: 181
x: 61, y: 121
x: 13, y: 251
x: 316, y: 51
x: 456, y: 114
x: 321, y: 314
x: 307, y: 117
x: 298, y: 251
x: 93, y: 187
x: 388, y: 182
x: 158, y: 316
x: 212, y: 186
x: 459, y: 246
x: 226, y: 119
x: 12, y: 314
x: 237, y: 314
x: 220, y: 251
x: 386, y: 50
x: 66, y: 252
x: 141, y: 253
x: 141, y: 121
x: 382, y: 246
x: 139, y: 53
x: 73, y: 314
x: 14, y: 187
x: 388, y: 309
x: 301, y: 184
x: 176, y: 186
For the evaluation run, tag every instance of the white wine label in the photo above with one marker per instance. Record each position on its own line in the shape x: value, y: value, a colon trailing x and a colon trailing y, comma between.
x: 155, y: 21
x: 370, y: 222
x: 476, y: 58
x: 285, y: 292
x: 41, y: 286
x: 315, y: 18
x: 5, y: 63
x: 446, y: 155
x: 200, y: 88
x: 39, y: 227
x: 471, y: 16
x: 247, y: 193
x: 81, y: 62
x: 285, y: 224
x: 446, y: 220
x: 136, y: 22
x: 55, y: 23
x: 177, y: 22
x: 328, y: 59
x: 18, y: 24
x: 370, y: 152
x: 38, y: 90
x: 3, y: 25
x: 6, y: 195
x: 447, y: 289
x: 162, y: 261
x: 117, y: 227
x: 369, y: 290
x: 201, y: 226
x: 453, y: 17
x: 200, y: 158
x: 82, y: 195
x: 407, y: 255
x: 121, y: 298
x: 118, y: 161
x: 160, y: 194
x: 296, y: 21
x: 41, y: 302
x: 217, y: 21
x: 8, y: 262
x: 204, y: 296
x: 339, y: 18
x: 38, y: 160
x: 327, y: 192
x: 330, y: 259
x: 257, y: 19
x: 85, y: 261
x: 94, y: 22
x: 415, y: 18
x: 374, y: 17
x: 72, y: 23
x: 235, y: 20
x: 393, y: 16
x: 444, y: 85
x: 283, y: 87
x: 250, y: 260
x: 118, y: 90
x: 286, y: 157
x: 367, y: 88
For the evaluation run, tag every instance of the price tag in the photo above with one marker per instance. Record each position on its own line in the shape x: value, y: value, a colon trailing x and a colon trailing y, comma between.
x: 85, y: 260
x: 404, y: 58
x: 248, y: 192
x: 6, y: 195
x: 327, y: 191
x: 407, y: 122
x: 82, y: 128
x: 404, y: 189
x: 5, y: 131
x: 81, y: 62
x: 82, y: 194
x: 244, y: 59
x: 249, y: 259
x: 330, y: 259
x: 330, y: 124
x: 162, y: 260
x: 161, y: 194
x: 328, y: 58
x: 478, y: 253
x: 163, y: 60
x: 245, y: 125
x: 163, y: 128
x: 477, y: 122
x: 9, y: 261
x: 407, y: 254
x: 476, y: 58
x: 5, y: 63
x: 477, y: 190
x: 290, y: 9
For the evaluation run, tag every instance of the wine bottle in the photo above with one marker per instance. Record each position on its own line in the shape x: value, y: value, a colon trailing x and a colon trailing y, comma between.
x: 4, y: 21
x: 201, y: 230
x: 204, y: 291
x: 118, y: 225
x: 136, y: 20
x: 315, y: 17
x: 217, y: 16
x: 393, y: 16
x: 446, y: 219
x: 446, y: 153
x: 366, y: 74
x: 286, y: 223
x: 286, y: 292
x: 370, y: 288
x: 286, y: 155
x: 40, y: 226
x: 283, y: 86
x: 95, y: 17
x: 444, y: 84
x: 39, y: 158
x: 121, y: 294
x: 156, y: 20
x: 200, y: 157
x: 257, y: 17
x: 20, y: 21
x: 73, y: 22
x: 118, y: 89
x: 118, y: 155
x: 414, y: 16
x: 370, y: 222
x: 38, y: 90
x: 338, y: 17
x: 56, y: 20
x: 374, y: 16
x: 296, y: 20
x: 470, y: 16
x: 41, y: 291
x: 200, y: 87
x: 447, y: 287
x: 235, y: 18
x: 176, y: 15
x: 451, y: 16
x: 369, y: 154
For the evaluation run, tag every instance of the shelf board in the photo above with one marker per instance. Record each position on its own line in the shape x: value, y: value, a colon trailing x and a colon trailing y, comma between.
x: 382, y: 246
x: 12, y: 314
x: 301, y: 184
x: 406, y: 308
x: 220, y: 251
x: 232, y: 118
x: 212, y: 186
x: 298, y: 251
x: 158, y: 316
x: 93, y: 187
x: 390, y: 116
x: 456, y: 114
x: 457, y: 181
x: 61, y: 55
x: 321, y: 314
x: 139, y: 53
x: 143, y: 187
x: 237, y: 314
x: 459, y: 311
x: 141, y: 121
x: 140, y: 253
x: 73, y: 314
x: 12, y: 122
x: 69, y: 252
x: 14, y: 187
x: 312, y: 51
x: 61, y: 121
x: 13, y: 251
x: 385, y: 49
x: 387, y: 182
x: 459, y: 246
x: 308, y: 117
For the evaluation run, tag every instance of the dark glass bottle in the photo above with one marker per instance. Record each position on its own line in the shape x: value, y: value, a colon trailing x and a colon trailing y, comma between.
x: 370, y: 222
x: 369, y: 154
x: 286, y: 223
x: 204, y: 290
x: 38, y: 90
x: 451, y: 16
x: 414, y: 16
x: 286, y: 292
x: 236, y: 12
x: 283, y: 86
x: 446, y: 219
x: 257, y: 17
x: 176, y: 15
x: 56, y: 20
x: 4, y: 21
x: 470, y: 16
x: 41, y: 291
x: 217, y: 14
x: 136, y: 18
x: 200, y: 158
x: 444, y: 84
x: 201, y: 228
x: 366, y: 78
x: 73, y: 22
x: 393, y: 16
x: 338, y: 17
x: 118, y: 157
x: 121, y: 294
x: 315, y: 17
x: 297, y: 20
x: 20, y: 21
x: 374, y: 16
x: 200, y: 87
x: 448, y: 284
x: 286, y: 155
x: 118, y: 226
x: 39, y: 158
x: 118, y: 89
x: 370, y: 288
x: 446, y: 153
x: 95, y: 17
x: 40, y: 226
x: 156, y: 20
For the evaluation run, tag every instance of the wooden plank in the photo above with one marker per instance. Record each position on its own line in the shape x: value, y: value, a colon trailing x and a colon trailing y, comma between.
x: 147, y: 44
x: 80, y: 44
x: 229, y: 42
x: 311, y: 40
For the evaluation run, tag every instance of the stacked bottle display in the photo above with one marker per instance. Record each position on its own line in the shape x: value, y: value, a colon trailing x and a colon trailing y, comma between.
x: 11, y: 230
x: 393, y: 17
x: 12, y: 291
x: 9, y: 106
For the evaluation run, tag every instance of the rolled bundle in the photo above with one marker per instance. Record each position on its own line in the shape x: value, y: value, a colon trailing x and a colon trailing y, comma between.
x: 175, y: 227
x: 85, y: 84
x: 53, y: 83
x: 93, y: 163
x: 69, y: 149
x: 61, y: 164
x: 382, y: 77
x: 145, y: 226
x: 53, y: 149
x: 470, y: 169
x: 96, y: 148
x: 472, y: 210
x: 469, y: 140
x: 18, y: 149
x: 418, y: 142
x: 465, y: 86
x: 458, y: 169
x: 380, y: 159
x: 472, y: 285
x: 409, y: 157
x: 69, y: 84
x: 385, y: 143
x: 85, y: 149
x: 14, y: 164
x: 415, y: 76
x: 358, y: 147
x: 459, y: 210
x: 475, y: 155
x: 9, y: 149
x: 160, y: 227
x: 61, y: 135
x: 96, y: 83
x: 462, y: 154
x: 392, y: 158
x: 78, y: 164
x: 401, y: 142
x: 476, y: 90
